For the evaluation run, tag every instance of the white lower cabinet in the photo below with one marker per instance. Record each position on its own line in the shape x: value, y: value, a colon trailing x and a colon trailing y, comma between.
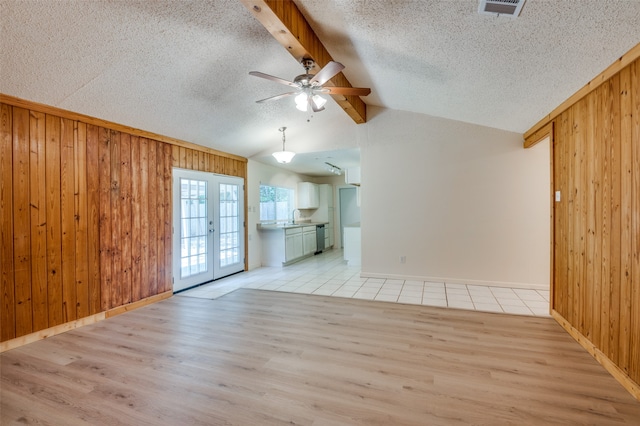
x: 309, y: 241
x: 286, y: 245
x: 293, y: 244
x: 328, y: 236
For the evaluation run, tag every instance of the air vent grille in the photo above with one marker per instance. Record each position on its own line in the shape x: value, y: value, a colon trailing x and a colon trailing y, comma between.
x: 509, y: 8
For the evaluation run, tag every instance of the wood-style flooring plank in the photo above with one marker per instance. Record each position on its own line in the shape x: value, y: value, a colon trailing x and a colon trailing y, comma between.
x: 270, y: 358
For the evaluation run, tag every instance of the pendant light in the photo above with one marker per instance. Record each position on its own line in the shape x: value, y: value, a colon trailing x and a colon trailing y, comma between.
x: 283, y: 156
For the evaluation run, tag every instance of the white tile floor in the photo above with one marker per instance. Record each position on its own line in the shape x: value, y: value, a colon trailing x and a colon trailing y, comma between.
x: 327, y: 274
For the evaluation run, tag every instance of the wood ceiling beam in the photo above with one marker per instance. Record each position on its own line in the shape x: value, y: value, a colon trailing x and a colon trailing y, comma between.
x: 285, y: 22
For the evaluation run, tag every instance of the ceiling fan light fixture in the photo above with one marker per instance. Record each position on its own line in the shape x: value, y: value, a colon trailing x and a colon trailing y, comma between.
x: 319, y: 100
x: 309, y: 85
x: 302, y: 101
x: 283, y: 156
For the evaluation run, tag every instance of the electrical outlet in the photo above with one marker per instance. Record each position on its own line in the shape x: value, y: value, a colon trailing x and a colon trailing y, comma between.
x: 403, y: 259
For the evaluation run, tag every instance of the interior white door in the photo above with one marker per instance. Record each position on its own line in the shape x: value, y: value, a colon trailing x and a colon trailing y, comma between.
x: 193, y: 230
x: 229, y: 231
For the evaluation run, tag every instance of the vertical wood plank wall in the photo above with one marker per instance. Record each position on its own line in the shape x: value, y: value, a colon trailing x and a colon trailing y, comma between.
x: 85, y: 214
x: 596, y: 158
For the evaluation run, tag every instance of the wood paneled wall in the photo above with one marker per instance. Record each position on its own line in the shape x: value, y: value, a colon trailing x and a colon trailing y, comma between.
x: 596, y: 247
x: 85, y: 211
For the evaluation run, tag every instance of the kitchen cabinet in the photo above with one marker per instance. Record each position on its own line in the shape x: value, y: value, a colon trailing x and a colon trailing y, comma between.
x: 352, y: 176
x: 309, y: 242
x: 308, y: 196
x: 293, y: 246
x: 328, y: 236
x: 325, y: 194
x: 324, y: 213
x: 283, y: 245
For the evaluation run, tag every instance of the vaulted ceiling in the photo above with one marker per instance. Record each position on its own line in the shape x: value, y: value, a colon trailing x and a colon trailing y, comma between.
x: 180, y: 68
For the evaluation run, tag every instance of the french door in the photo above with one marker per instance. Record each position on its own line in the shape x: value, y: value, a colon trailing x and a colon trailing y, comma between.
x: 228, y: 246
x: 208, y: 227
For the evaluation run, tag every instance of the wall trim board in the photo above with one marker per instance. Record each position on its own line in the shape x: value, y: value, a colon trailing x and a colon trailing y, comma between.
x: 139, y: 304
x: 552, y: 222
x: 632, y: 387
x: 47, y: 109
x: 540, y: 135
x: 592, y: 85
x: 528, y: 286
x: 51, y: 331
x: 72, y: 325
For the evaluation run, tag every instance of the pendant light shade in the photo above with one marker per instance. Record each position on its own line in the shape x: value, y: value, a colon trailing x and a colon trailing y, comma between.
x: 283, y: 156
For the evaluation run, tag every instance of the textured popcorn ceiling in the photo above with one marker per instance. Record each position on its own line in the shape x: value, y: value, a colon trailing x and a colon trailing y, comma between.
x: 180, y: 68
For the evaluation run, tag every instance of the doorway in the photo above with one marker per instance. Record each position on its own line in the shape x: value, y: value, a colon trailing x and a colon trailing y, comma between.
x: 208, y: 227
x: 349, y: 209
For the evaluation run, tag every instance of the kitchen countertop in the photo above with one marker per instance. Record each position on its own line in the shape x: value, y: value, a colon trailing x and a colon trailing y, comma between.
x: 277, y: 226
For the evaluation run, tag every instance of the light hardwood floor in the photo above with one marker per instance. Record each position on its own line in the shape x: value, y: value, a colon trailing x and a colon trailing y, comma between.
x: 256, y: 357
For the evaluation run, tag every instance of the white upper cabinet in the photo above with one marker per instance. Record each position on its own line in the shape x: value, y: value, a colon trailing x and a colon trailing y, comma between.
x: 326, y: 195
x: 352, y: 175
x: 308, y: 195
x: 324, y: 213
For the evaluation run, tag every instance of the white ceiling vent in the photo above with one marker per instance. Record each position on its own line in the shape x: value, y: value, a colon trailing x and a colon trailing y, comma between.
x: 510, y: 8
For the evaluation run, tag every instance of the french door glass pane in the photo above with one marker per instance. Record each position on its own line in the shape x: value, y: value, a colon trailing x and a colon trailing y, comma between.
x: 193, y: 219
x: 228, y: 235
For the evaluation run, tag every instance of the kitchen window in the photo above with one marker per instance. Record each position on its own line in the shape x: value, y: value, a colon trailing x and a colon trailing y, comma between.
x: 276, y: 203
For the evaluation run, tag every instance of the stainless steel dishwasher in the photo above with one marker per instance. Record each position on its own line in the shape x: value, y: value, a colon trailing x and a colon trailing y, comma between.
x: 319, y: 238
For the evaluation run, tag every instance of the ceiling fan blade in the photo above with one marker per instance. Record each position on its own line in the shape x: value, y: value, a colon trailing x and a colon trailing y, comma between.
x: 272, y: 78
x: 314, y: 106
x: 357, y: 91
x: 276, y: 97
x: 329, y: 70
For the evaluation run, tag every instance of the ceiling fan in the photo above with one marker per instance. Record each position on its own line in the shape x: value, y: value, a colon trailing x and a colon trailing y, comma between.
x: 308, y: 86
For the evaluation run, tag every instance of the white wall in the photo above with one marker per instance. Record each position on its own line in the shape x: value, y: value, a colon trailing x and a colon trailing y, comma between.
x: 463, y: 203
